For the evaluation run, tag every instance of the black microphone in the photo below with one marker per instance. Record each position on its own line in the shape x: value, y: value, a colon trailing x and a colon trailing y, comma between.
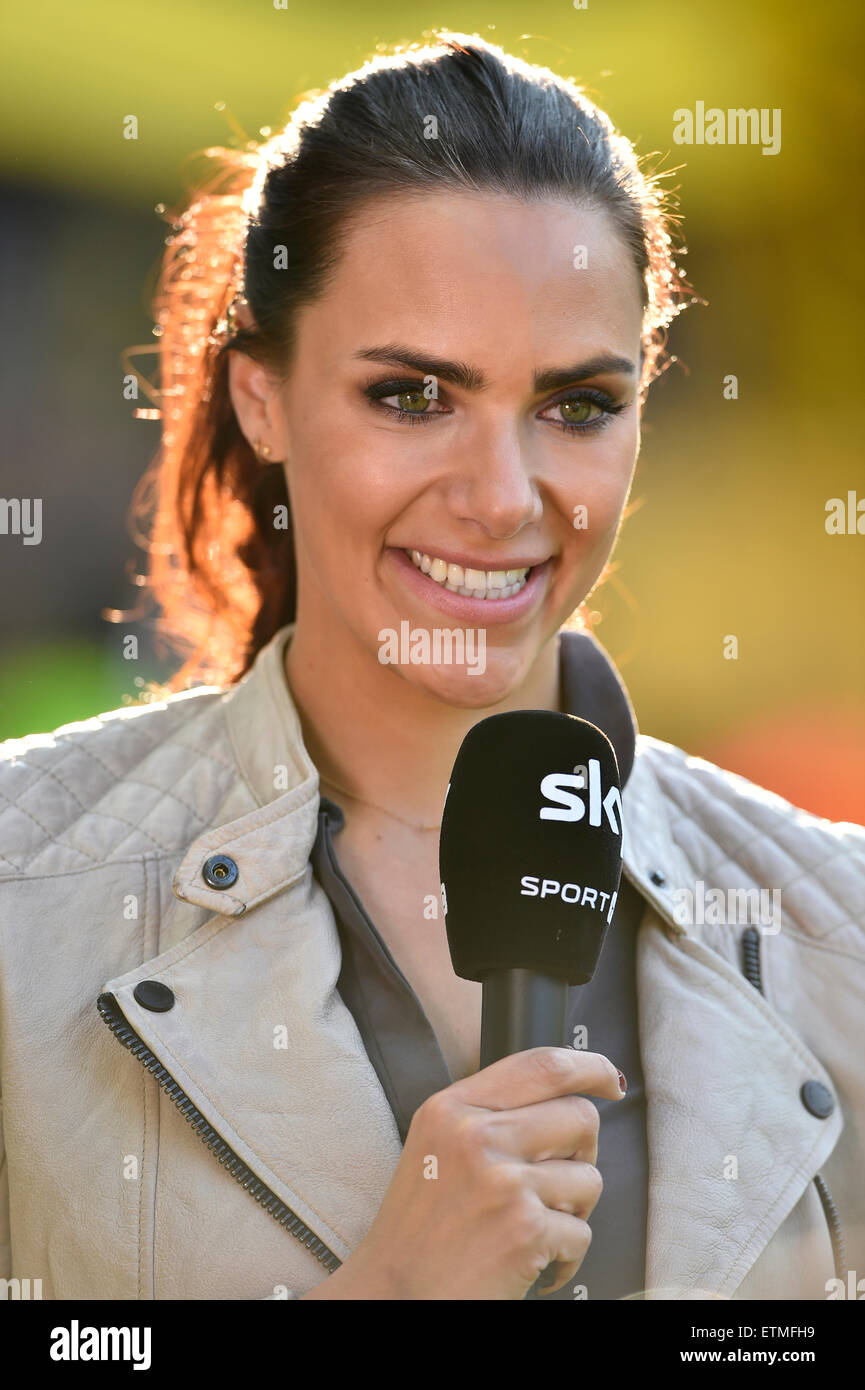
x: 530, y: 859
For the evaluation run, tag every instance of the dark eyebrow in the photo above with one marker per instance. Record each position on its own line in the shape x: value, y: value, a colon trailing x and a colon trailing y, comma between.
x: 395, y: 355
x: 554, y: 377
x: 473, y: 379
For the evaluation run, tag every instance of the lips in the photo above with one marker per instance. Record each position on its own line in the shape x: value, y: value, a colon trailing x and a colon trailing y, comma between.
x: 492, y: 585
x: 530, y: 590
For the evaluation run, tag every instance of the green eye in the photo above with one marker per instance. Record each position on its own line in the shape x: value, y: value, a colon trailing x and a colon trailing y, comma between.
x: 577, y: 412
x: 413, y: 402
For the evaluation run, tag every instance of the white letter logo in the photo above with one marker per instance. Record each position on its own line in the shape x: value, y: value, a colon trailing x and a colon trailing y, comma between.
x: 554, y: 787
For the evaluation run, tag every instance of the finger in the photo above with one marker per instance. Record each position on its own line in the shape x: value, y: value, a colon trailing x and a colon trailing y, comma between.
x: 566, y: 1186
x: 569, y: 1238
x: 541, y: 1073
x: 563, y: 1128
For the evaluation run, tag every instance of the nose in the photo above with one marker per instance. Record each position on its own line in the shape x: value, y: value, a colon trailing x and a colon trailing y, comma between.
x: 492, y: 484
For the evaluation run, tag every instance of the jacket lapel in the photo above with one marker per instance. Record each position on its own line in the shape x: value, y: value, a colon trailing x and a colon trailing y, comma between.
x: 723, y: 1073
x: 261, y: 1043
x: 258, y: 1036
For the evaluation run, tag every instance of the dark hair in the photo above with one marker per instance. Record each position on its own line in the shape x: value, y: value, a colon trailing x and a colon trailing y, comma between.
x: 272, y: 221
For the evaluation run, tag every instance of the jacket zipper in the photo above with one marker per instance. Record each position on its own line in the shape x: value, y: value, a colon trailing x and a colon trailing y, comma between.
x: 116, y: 1020
x: 752, y: 972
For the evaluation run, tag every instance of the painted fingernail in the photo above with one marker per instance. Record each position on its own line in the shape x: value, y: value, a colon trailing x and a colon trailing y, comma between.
x: 623, y: 1085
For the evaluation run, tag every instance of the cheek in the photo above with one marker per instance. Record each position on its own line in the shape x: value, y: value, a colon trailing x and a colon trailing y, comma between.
x: 593, y: 500
x: 345, y: 492
x: 340, y: 458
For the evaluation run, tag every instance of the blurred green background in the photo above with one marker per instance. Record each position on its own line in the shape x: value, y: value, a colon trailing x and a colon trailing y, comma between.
x: 728, y: 536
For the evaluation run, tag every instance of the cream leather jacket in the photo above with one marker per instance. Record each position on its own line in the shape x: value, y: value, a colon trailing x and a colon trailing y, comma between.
x: 111, y: 1101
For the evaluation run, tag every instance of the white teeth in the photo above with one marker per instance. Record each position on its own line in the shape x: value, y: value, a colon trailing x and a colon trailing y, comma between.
x: 471, y: 583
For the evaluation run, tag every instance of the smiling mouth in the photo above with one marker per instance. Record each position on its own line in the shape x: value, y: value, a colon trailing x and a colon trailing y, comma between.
x: 471, y: 583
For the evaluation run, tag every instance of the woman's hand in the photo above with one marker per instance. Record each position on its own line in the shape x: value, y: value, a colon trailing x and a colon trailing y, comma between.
x: 514, y: 1150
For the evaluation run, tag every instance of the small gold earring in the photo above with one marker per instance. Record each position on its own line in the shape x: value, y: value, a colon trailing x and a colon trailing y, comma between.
x: 263, y: 450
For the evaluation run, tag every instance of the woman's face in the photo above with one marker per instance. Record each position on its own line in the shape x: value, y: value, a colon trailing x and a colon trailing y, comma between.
x: 522, y: 321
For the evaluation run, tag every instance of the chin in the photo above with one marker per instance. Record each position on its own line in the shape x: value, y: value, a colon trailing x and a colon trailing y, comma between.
x: 476, y: 685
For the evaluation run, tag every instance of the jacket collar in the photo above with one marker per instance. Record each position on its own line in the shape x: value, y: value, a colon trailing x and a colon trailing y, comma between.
x: 593, y: 689
x: 271, y: 844
x: 267, y: 740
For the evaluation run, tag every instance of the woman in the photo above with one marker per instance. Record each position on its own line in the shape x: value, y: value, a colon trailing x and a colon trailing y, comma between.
x: 432, y: 339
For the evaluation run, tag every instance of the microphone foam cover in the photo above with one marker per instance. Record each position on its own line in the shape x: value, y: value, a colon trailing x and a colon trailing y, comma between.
x: 530, y: 854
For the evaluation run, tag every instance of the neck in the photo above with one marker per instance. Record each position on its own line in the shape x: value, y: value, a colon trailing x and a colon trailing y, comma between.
x: 389, y: 741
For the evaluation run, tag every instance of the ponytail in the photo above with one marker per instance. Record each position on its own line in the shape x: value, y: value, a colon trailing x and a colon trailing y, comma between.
x: 221, y: 571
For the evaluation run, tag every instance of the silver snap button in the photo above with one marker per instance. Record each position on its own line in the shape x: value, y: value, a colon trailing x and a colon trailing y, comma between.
x: 220, y: 871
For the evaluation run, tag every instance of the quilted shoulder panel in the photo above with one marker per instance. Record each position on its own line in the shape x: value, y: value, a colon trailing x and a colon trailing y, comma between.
x: 738, y: 835
x: 144, y: 778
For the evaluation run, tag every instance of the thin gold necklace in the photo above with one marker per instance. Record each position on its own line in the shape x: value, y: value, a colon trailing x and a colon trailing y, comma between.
x: 365, y: 802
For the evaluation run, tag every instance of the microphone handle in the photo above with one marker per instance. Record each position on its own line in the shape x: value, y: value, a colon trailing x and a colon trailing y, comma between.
x: 522, y: 1009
